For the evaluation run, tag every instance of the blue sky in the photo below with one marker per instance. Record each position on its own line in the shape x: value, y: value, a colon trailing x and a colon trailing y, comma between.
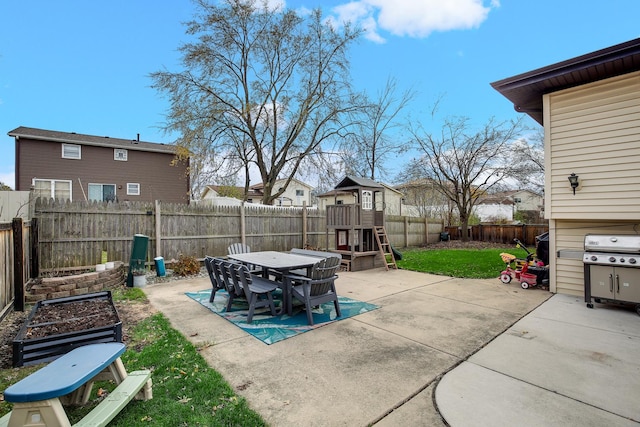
x: 82, y: 65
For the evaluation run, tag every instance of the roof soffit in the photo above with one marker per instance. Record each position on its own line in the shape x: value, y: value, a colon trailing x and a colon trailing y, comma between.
x: 525, y: 90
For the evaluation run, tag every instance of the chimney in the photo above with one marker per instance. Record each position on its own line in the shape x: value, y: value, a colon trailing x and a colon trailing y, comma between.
x: 138, y: 138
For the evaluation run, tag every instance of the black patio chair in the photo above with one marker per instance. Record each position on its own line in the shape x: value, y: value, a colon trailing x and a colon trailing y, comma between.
x: 241, y: 248
x: 318, y: 288
x: 217, y: 282
x: 257, y: 290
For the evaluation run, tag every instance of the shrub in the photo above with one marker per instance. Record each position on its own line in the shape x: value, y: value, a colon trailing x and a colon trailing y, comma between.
x: 186, y: 266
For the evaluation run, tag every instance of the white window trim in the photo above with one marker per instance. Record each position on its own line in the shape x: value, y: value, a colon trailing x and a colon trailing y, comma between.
x: 66, y: 156
x: 115, y: 188
x: 367, y: 200
x: 53, y: 188
x: 123, y: 151
x: 132, y: 193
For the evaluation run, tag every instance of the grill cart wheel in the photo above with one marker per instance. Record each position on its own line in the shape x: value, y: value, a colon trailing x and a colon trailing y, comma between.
x: 524, y: 285
x: 505, y: 278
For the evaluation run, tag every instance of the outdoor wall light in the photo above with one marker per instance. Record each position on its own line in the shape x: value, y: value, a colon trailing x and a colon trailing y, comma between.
x: 573, y: 180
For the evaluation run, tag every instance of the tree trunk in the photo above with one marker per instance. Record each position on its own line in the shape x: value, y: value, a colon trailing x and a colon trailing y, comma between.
x: 464, y: 229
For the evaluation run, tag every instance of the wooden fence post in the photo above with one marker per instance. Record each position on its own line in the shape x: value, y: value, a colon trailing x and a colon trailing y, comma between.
x: 426, y: 230
x: 406, y: 231
x: 158, y: 228
x: 243, y: 226
x: 18, y: 265
x: 304, y: 225
x: 35, y: 257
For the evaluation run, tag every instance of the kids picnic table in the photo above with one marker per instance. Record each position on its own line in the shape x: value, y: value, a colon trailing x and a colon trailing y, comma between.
x: 68, y: 380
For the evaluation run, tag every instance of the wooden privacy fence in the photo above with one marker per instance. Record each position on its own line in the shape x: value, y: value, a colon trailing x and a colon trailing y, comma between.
x: 75, y: 234
x: 16, y: 266
x: 499, y: 233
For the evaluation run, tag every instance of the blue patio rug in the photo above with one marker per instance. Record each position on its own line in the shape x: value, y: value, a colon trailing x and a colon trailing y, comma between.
x: 270, y: 329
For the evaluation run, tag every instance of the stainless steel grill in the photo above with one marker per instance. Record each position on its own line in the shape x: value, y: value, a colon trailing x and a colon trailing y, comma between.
x: 612, y: 269
x: 623, y: 250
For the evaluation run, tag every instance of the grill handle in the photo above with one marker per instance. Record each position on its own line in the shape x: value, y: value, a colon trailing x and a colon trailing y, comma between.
x: 611, y: 283
x: 617, y: 283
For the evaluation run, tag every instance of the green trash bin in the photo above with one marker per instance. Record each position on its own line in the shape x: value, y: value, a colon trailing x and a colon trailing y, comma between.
x: 138, y: 255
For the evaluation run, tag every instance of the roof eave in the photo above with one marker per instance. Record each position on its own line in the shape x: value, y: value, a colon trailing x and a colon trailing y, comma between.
x: 525, y: 90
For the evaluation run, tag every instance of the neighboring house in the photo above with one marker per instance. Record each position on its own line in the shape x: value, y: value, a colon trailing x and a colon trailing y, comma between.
x: 494, y: 209
x: 212, y: 192
x: 524, y: 200
x: 71, y: 166
x: 297, y: 193
x: 504, y: 205
x: 393, y: 202
x: 590, y: 109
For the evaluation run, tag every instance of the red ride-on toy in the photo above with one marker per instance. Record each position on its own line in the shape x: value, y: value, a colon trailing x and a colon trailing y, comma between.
x: 520, y: 269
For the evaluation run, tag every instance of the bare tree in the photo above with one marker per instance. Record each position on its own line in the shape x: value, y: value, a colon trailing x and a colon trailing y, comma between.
x: 464, y: 165
x: 265, y: 86
x: 528, y: 157
x: 370, y: 143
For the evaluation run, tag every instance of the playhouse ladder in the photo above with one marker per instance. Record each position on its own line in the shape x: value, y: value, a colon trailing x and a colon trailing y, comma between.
x: 385, y: 248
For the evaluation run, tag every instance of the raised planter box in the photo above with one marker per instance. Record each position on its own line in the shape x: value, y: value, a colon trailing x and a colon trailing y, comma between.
x: 42, y: 341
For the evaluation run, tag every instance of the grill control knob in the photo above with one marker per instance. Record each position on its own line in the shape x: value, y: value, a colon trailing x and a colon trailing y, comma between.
x: 621, y: 259
x: 612, y: 259
x: 594, y: 258
x: 632, y: 260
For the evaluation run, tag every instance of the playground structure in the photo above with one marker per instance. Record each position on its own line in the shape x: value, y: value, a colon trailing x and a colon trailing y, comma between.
x: 356, y: 221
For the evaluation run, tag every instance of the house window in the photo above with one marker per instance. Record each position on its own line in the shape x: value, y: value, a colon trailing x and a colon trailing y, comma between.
x: 102, y: 192
x: 300, y: 193
x: 133, y: 189
x: 120, y: 154
x: 367, y: 200
x: 71, y: 151
x: 52, y: 188
x: 517, y: 199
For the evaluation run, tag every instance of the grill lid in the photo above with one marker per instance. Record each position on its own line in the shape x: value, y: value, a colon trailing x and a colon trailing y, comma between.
x: 626, y: 243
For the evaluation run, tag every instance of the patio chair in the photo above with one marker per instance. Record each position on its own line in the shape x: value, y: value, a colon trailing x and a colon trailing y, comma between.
x: 317, y: 254
x: 241, y: 248
x: 224, y: 270
x: 318, y: 288
x: 257, y: 290
x: 217, y: 282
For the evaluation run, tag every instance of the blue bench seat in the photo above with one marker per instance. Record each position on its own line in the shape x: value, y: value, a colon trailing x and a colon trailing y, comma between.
x: 69, y: 379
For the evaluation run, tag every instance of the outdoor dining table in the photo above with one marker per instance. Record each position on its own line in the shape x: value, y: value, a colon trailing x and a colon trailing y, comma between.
x: 282, y: 262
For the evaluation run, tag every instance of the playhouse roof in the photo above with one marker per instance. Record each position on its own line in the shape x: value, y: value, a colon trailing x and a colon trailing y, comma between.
x: 354, y: 181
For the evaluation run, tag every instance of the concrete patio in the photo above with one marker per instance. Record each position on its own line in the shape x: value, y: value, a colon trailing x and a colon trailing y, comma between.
x: 382, y: 367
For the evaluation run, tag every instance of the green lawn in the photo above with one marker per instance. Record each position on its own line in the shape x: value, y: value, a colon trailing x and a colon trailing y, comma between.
x: 186, y: 391
x: 470, y: 263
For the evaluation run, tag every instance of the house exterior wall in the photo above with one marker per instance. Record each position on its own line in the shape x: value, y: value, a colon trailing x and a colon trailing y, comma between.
x: 289, y: 197
x: 529, y: 201
x: 158, y: 179
x: 489, y: 212
x: 593, y: 131
x: 567, y: 270
x: 393, y: 202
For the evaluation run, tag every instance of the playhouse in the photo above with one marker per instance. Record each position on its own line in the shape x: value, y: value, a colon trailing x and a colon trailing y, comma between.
x: 355, y: 223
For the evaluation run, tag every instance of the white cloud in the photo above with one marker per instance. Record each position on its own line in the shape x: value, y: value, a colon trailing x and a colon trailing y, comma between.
x: 413, y: 18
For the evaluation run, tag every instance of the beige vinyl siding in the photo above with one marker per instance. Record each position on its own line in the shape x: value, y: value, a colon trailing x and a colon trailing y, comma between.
x: 567, y: 274
x: 594, y: 132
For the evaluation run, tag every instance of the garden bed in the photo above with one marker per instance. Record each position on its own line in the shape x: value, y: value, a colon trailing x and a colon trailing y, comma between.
x: 56, y: 326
